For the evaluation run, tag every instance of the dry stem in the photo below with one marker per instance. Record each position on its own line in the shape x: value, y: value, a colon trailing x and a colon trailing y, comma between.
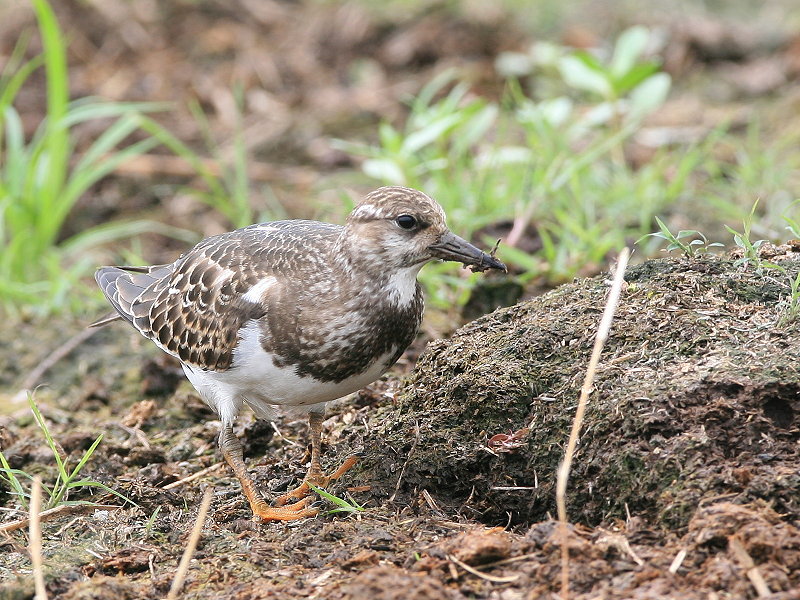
x: 183, y: 566
x: 193, y: 476
x: 52, y: 513
x: 586, y: 389
x: 35, y: 543
x: 481, y: 574
x: 753, y: 573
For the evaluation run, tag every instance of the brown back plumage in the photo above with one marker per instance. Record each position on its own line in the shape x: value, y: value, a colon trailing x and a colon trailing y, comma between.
x: 194, y: 307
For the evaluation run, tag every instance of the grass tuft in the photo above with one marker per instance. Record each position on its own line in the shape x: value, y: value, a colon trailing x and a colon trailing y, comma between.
x: 67, y: 479
x: 342, y: 505
x: 42, y: 178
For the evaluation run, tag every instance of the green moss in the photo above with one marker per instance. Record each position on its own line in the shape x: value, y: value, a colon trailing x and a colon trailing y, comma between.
x: 679, y: 398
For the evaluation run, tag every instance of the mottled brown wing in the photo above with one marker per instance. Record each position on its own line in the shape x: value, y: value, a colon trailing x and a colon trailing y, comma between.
x: 122, y: 285
x: 195, y: 307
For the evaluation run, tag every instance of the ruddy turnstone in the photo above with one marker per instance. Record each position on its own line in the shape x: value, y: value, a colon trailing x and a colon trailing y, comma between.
x: 293, y: 314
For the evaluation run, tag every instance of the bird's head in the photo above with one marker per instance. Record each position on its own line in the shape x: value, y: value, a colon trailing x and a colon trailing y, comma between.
x: 402, y: 228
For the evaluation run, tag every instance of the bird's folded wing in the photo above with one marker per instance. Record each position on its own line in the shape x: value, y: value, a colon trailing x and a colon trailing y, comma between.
x: 195, y: 307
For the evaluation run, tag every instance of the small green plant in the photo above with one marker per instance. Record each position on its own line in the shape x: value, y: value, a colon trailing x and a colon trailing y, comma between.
x: 792, y: 224
x: 628, y: 85
x: 691, y: 248
x: 343, y: 505
x: 151, y: 521
x: 792, y: 302
x: 66, y: 479
x: 750, y: 249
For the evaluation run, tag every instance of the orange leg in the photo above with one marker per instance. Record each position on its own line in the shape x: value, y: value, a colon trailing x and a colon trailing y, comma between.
x: 315, y: 474
x: 232, y: 451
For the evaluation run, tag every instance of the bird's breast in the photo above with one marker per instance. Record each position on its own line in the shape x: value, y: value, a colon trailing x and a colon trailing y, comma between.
x: 263, y: 375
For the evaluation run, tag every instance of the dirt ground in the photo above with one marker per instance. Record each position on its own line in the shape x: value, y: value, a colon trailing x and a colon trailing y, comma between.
x: 686, y: 482
x: 685, y: 485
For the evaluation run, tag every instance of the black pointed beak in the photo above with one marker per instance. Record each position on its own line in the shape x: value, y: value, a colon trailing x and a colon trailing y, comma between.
x: 452, y: 247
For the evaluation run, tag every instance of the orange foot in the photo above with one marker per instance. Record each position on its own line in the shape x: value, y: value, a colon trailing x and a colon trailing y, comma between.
x: 320, y: 480
x: 290, y: 512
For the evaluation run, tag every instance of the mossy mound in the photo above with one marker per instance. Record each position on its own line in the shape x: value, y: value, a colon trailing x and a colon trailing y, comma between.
x: 696, y: 398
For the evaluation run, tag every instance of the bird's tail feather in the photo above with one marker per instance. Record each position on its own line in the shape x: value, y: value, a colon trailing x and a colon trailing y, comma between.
x: 124, y: 287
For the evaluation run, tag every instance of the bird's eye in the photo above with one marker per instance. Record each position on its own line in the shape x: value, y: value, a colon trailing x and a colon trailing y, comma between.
x: 406, y: 222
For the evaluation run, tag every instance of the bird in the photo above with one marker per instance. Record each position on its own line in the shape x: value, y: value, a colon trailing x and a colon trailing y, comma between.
x: 292, y: 314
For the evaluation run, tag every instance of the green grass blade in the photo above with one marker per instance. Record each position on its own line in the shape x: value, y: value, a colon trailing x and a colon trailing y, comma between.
x: 9, y: 88
x: 55, y: 61
x: 81, y: 180
x: 344, y: 505
x: 39, y: 418
x: 16, y: 159
x: 107, y: 141
x: 180, y: 149
x: 84, y: 459
x: 91, y: 109
x: 10, y: 477
x: 118, y: 230
x: 96, y: 484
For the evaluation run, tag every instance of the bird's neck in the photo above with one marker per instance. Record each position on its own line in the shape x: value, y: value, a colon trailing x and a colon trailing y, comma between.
x: 351, y: 257
x: 395, y: 284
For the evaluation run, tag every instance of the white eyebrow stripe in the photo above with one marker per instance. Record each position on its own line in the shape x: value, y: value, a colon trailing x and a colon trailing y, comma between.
x: 367, y: 211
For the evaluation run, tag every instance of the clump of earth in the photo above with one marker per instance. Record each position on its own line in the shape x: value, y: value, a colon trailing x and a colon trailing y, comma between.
x: 685, y: 483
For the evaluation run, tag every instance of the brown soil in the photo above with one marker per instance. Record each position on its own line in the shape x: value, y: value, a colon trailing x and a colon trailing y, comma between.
x: 688, y: 459
x: 686, y: 483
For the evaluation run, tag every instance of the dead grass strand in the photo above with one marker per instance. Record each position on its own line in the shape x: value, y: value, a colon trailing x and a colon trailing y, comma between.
x: 588, y: 382
x: 481, y: 574
x: 753, y: 572
x: 183, y: 566
x: 52, y: 513
x: 35, y: 542
x: 193, y: 476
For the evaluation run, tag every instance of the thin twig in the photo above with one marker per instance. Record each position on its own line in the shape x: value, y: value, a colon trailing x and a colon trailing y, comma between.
x: 677, y: 561
x: 513, y: 559
x: 52, y: 513
x: 283, y: 437
x: 480, y: 574
x: 586, y: 389
x: 405, y: 464
x: 193, y: 476
x: 183, y: 566
x: 35, y: 542
x: 621, y: 543
x: 45, y: 365
x: 753, y: 573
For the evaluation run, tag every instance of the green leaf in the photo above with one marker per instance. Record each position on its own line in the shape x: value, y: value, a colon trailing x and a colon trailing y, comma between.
x: 90, y: 109
x: 344, y: 505
x: 429, y: 134
x: 55, y: 61
x: 649, y: 95
x: 86, y: 456
x: 578, y: 74
x: 391, y: 139
x: 634, y: 77
x: 629, y: 47
x: 385, y: 170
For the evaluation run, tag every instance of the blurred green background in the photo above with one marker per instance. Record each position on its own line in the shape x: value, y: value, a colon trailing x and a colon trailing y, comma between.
x: 130, y: 129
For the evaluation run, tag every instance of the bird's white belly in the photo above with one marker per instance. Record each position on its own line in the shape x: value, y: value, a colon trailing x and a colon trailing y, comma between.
x: 256, y: 380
